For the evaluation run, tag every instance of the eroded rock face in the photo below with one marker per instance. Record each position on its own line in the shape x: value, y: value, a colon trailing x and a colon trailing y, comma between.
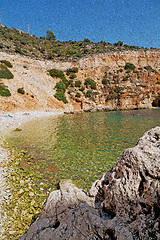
x: 123, y: 205
x: 122, y: 89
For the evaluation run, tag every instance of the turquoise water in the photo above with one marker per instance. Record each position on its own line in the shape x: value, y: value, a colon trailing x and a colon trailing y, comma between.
x: 83, y: 146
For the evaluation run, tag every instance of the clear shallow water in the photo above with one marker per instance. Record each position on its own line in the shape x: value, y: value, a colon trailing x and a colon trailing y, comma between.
x: 81, y: 146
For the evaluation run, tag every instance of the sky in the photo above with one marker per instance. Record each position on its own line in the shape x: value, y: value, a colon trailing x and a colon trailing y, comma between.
x: 134, y: 22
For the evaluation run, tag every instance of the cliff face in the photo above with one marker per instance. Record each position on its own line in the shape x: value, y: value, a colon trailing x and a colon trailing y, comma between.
x: 122, y: 205
x: 122, y: 87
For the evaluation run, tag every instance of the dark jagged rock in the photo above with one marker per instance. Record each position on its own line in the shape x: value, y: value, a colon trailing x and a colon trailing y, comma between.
x: 123, y: 205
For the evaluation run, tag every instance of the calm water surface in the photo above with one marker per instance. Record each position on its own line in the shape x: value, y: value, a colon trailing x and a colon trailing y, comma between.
x: 81, y: 147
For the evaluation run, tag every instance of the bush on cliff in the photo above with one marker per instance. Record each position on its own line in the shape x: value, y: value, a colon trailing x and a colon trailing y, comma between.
x: 129, y: 66
x: 5, y: 73
x: 55, y: 73
x: 125, y: 78
x: 7, y: 63
x: 77, y: 83
x: 90, y: 82
x: 71, y: 70
x: 149, y: 68
x: 21, y: 90
x: 61, y: 86
x: 4, y: 92
x: 118, y: 89
x: 60, y: 91
x: 18, y: 50
x: 88, y: 94
x: 105, y: 81
x: 60, y: 96
x: 72, y: 76
x: 78, y: 95
x: 82, y: 89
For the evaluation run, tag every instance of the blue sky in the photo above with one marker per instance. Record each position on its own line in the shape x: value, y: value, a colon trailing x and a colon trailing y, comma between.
x: 135, y: 22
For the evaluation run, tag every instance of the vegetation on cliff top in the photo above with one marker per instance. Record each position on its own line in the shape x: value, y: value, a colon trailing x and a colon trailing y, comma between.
x: 47, y: 47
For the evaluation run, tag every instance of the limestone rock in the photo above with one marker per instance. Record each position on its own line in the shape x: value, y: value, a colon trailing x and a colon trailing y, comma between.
x: 123, y: 205
x: 124, y: 90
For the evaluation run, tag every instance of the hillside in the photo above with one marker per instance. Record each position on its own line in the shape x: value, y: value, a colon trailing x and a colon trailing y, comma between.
x: 111, y: 81
x: 47, y: 47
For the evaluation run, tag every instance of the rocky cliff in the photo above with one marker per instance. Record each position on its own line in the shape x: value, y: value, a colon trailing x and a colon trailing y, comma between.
x: 124, y: 204
x: 117, y: 86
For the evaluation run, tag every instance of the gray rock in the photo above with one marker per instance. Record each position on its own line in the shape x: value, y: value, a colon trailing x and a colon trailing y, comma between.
x: 123, y: 205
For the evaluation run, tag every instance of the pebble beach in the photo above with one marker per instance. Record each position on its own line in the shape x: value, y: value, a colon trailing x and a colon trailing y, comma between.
x: 9, y: 122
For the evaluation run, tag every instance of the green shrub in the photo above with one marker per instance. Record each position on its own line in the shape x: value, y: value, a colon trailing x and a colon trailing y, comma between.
x: 105, y: 81
x: 128, y: 71
x: 82, y: 89
x: 5, y: 73
x: 71, y: 83
x: 21, y: 90
x: 72, y: 76
x: 78, y: 95
x: 60, y: 96
x: 7, y: 63
x: 149, y: 68
x: 129, y: 66
x: 90, y: 82
x: 4, y: 92
x: 126, y: 78
x: 61, y: 86
x: 71, y: 70
x: 88, y: 94
x: 95, y: 93
x: 77, y: 83
x: 50, y: 35
x: 18, y: 50
x: 1, y: 45
x: 71, y: 51
x: 134, y: 71
x: 118, y: 89
x: 71, y: 96
x: 17, y: 130
x: 55, y: 73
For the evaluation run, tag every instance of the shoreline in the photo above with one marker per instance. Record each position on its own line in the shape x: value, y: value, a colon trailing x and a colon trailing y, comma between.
x: 11, y: 120
x: 8, y: 122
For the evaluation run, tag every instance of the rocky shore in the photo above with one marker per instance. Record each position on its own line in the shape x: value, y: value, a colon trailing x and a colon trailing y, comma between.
x: 123, y: 205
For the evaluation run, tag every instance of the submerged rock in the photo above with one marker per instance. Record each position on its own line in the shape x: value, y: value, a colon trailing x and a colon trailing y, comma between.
x: 123, y: 205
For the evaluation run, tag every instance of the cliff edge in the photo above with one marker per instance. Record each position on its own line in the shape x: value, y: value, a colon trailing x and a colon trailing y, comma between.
x: 111, y: 81
x: 123, y: 205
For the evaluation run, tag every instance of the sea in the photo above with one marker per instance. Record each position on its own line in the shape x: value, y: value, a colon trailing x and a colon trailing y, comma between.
x: 82, y: 146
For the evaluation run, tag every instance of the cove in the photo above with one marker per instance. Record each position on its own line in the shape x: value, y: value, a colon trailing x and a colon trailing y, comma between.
x: 80, y: 147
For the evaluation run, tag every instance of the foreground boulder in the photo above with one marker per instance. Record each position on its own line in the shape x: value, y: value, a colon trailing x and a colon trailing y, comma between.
x: 123, y: 205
